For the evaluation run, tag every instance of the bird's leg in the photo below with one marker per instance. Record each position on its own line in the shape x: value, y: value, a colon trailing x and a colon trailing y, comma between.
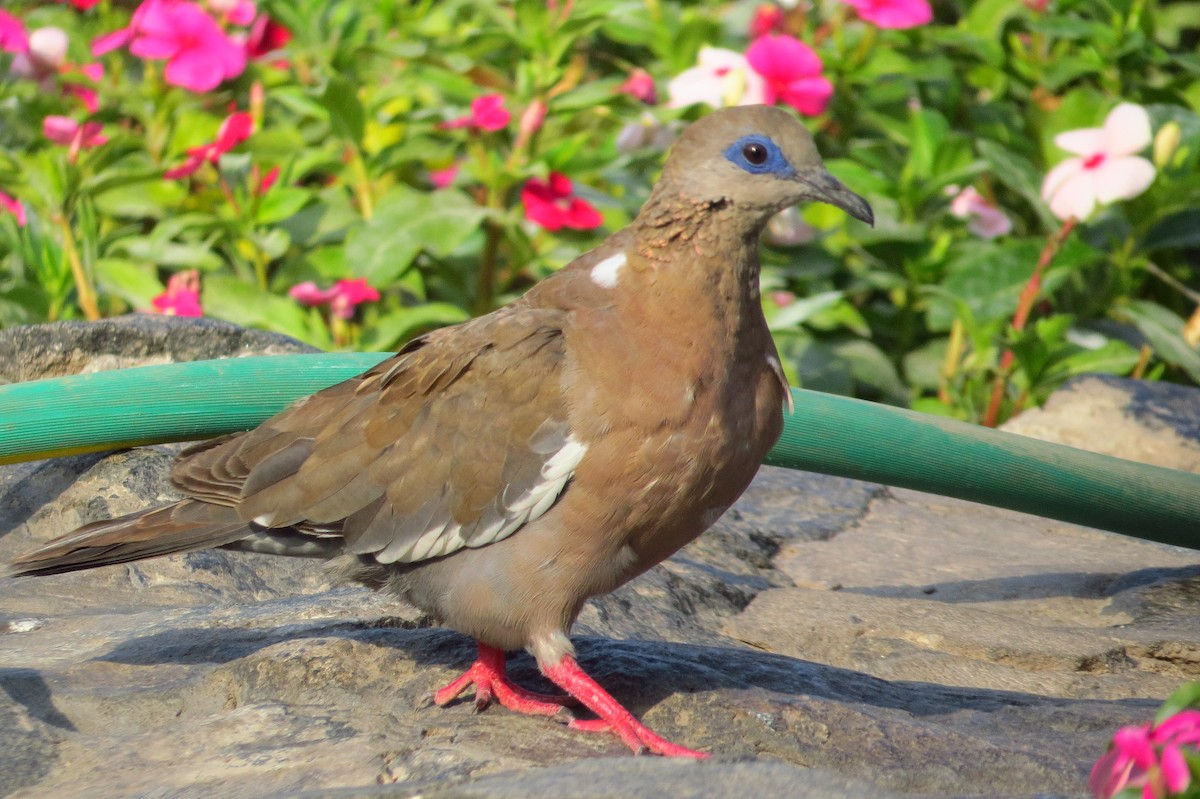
x: 490, y: 679
x: 567, y: 674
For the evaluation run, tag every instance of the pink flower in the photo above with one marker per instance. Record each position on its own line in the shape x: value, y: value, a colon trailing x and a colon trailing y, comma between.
x: 266, y: 36
x: 487, y: 113
x: 66, y: 131
x: 792, y: 72
x: 640, y: 85
x: 234, y: 130
x: 1106, y: 170
x: 198, y: 53
x: 182, y: 297
x: 343, y: 297
x: 893, y: 13
x: 549, y: 203
x: 264, y: 184
x: 721, y: 78
x: 441, y: 178
x: 81, y: 5
x: 12, y: 34
x: 13, y: 206
x: 239, y: 12
x: 767, y: 19
x: 1149, y: 757
x: 984, y: 219
x: 45, y: 55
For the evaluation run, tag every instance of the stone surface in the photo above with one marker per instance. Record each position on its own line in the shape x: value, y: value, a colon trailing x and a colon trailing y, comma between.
x: 827, y: 638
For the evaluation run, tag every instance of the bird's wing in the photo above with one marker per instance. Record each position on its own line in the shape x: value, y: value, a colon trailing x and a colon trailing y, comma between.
x: 457, y: 441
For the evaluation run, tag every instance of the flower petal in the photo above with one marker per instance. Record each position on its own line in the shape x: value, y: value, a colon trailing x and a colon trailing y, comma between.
x: 1122, y: 178
x: 194, y: 69
x: 1076, y: 197
x: 1060, y: 175
x: 809, y: 96
x: 1175, y: 769
x: 1126, y: 130
x: 782, y: 58
x: 1085, y: 141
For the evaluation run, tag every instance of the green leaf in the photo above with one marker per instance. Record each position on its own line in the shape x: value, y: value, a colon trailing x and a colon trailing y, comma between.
x: 1163, y: 329
x: 397, y: 327
x: 233, y: 300
x: 1020, y: 175
x: 346, y: 115
x: 1186, y: 697
x: 280, y: 203
x: 133, y: 282
x: 800, y: 310
x: 1176, y: 231
x: 407, y: 221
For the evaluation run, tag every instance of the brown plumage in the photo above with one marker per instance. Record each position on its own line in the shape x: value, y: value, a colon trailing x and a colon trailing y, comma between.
x: 499, y: 473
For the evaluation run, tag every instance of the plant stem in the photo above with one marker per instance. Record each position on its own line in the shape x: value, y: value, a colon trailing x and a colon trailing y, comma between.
x: 83, y: 287
x: 1024, y: 305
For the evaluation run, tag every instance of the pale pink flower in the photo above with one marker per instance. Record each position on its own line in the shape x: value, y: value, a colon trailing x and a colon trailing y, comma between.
x: 1106, y: 170
x: 182, y: 297
x: 721, y: 78
x: 12, y: 34
x: 236, y: 128
x: 893, y: 13
x: 343, y: 297
x: 487, y: 113
x: 983, y: 219
x: 66, y: 131
x: 45, y: 55
x: 792, y: 73
x: 13, y: 206
x: 788, y: 229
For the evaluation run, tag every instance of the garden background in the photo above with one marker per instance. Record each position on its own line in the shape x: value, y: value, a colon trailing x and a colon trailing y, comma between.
x: 352, y: 173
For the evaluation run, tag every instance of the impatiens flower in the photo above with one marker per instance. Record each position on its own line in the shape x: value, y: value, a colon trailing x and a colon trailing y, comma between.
x: 640, y: 85
x: 12, y: 34
x: 550, y: 204
x: 983, y: 219
x: 441, y: 178
x: 64, y: 130
x: 182, y: 297
x: 343, y: 297
x: 792, y: 72
x: 81, y: 5
x: 767, y: 19
x: 233, y: 131
x: 13, y: 206
x: 893, y: 13
x: 1149, y: 757
x: 45, y: 55
x: 264, y: 184
x: 721, y: 78
x: 199, y: 54
x: 266, y: 36
x: 1106, y: 170
x: 487, y: 113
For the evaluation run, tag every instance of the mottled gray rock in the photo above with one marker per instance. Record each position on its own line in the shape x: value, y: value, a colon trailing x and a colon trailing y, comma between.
x: 827, y: 638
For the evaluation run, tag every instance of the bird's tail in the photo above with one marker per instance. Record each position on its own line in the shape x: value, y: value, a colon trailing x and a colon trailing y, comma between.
x: 180, y: 527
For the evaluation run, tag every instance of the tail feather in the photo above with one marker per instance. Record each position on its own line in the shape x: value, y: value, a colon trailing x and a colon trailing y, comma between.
x: 181, y: 527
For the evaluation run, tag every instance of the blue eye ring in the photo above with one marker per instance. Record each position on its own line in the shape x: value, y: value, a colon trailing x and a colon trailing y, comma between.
x: 758, y: 155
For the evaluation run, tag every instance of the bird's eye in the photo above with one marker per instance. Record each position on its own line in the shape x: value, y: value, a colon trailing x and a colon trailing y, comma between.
x: 755, y: 153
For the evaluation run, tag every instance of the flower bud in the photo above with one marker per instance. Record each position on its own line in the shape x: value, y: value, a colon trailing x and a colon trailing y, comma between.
x: 1166, y: 142
x: 48, y: 48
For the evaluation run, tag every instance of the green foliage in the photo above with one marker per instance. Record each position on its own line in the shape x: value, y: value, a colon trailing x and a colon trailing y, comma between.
x: 918, y: 311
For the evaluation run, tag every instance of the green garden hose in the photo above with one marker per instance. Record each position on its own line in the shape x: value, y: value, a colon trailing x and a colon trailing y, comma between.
x: 830, y: 434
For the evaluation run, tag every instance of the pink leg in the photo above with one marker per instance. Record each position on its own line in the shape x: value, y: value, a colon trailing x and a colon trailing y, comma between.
x: 567, y: 675
x: 488, y: 676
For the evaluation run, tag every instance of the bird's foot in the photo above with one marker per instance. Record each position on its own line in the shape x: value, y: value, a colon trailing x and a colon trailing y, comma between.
x: 567, y: 674
x: 488, y: 676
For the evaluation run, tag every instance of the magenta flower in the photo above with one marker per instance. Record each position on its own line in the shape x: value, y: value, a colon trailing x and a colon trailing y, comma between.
x: 266, y: 36
x: 182, y: 297
x: 487, y: 113
x: 234, y: 130
x: 896, y: 14
x: 1106, y: 170
x: 792, y: 72
x: 767, y: 18
x: 64, y: 130
x: 983, y: 219
x: 640, y: 85
x: 1149, y: 757
x: 441, y: 178
x: 343, y: 297
x: 550, y: 204
x: 13, y: 206
x: 81, y: 5
x: 12, y: 34
x: 239, y: 12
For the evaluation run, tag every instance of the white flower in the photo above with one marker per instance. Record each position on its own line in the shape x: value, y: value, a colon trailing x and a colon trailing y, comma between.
x: 1106, y: 169
x: 721, y: 78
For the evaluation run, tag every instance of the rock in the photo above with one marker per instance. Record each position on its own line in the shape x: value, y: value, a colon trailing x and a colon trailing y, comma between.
x: 827, y: 638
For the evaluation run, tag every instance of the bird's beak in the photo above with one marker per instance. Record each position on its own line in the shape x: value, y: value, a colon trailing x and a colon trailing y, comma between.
x: 828, y: 189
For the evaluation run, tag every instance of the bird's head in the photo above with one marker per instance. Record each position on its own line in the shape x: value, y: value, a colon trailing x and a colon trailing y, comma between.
x: 758, y: 158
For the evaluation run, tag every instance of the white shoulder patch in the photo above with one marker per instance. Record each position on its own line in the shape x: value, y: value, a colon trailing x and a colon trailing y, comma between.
x: 606, y: 273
